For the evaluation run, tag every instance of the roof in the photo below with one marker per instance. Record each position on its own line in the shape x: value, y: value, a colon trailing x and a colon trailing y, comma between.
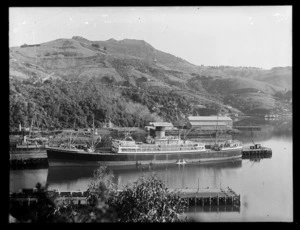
x: 161, y: 124
x: 209, y: 118
x: 126, y: 128
x: 199, y: 123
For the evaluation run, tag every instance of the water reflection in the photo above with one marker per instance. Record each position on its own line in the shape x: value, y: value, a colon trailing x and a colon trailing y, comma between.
x: 28, y: 178
x: 213, y: 208
x: 175, y: 176
x: 269, y: 129
x: 265, y: 184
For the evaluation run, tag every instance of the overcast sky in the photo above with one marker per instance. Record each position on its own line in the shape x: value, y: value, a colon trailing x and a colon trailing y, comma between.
x: 258, y: 36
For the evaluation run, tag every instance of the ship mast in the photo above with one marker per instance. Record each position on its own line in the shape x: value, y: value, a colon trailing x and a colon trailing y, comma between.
x: 217, y: 129
x: 31, y: 126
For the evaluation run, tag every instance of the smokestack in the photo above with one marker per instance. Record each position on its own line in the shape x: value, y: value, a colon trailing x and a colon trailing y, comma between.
x: 160, y: 132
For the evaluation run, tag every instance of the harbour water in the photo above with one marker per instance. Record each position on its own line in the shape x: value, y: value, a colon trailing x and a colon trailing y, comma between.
x: 265, y: 185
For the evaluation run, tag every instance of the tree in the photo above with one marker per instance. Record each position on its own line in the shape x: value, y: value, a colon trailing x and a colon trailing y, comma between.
x: 96, y: 210
x: 148, y: 200
x: 96, y: 45
x: 101, y: 186
x: 41, y: 212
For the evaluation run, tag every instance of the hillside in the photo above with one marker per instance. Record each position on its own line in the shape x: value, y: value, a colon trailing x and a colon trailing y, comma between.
x: 135, y: 64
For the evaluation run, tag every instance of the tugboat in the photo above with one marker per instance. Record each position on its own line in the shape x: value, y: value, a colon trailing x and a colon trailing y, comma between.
x: 30, y: 145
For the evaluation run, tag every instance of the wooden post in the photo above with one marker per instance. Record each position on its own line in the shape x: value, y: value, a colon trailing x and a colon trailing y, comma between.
x: 218, y: 199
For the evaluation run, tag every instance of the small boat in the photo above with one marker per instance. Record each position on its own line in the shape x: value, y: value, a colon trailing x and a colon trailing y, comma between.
x: 30, y: 145
x: 33, y: 143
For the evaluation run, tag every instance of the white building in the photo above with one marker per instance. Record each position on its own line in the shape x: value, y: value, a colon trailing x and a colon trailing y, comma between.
x: 210, y: 122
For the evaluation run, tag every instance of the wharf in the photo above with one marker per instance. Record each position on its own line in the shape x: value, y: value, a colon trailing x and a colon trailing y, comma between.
x: 201, y: 197
x: 215, y: 208
x: 208, y: 196
x: 262, y: 152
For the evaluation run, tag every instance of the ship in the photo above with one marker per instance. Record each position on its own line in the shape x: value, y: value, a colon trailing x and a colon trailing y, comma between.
x: 29, y: 145
x: 127, y: 151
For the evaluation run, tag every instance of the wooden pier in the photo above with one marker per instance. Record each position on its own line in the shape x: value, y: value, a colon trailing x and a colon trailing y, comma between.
x: 262, y: 152
x: 197, y: 197
x: 28, y: 197
x: 209, y: 197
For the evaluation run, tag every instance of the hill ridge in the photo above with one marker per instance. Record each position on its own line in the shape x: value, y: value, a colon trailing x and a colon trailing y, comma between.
x: 138, y: 64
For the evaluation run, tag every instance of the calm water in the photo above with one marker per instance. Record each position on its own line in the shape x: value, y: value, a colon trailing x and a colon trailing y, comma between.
x: 265, y: 185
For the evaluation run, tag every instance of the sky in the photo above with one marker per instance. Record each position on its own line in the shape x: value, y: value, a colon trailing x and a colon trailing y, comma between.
x: 256, y: 36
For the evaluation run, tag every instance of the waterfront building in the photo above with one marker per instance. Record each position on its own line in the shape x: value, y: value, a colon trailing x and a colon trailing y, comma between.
x: 210, y: 122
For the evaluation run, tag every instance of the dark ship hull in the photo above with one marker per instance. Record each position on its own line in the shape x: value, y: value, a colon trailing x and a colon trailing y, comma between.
x: 59, y: 156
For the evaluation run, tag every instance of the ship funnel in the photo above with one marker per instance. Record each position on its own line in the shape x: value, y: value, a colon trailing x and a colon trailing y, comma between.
x: 160, y: 132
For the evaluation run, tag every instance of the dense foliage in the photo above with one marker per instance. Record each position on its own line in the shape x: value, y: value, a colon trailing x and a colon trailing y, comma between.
x: 288, y: 95
x: 67, y: 104
x: 146, y: 200
x: 42, y: 212
x: 74, y: 103
x: 156, y: 85
x: 169, y: 105
x: 97, y: 210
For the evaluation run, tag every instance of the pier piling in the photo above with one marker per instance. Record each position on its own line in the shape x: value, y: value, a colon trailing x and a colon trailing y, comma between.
x: 203, y: 197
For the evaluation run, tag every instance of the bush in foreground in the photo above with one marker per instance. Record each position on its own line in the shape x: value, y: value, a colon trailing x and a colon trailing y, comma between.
x: 145, y: 200
x: 148, y: 200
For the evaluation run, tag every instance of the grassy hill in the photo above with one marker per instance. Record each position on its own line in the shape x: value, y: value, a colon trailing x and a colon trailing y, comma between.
x: 138, y: 65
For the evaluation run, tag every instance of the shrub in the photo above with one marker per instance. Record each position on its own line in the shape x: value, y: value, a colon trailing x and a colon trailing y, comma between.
x: 41, y: 212
x: 148, y: 200
x: 96, y: 45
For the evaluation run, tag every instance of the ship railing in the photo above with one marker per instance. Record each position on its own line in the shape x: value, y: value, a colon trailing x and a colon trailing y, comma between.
x: 161, y: 149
